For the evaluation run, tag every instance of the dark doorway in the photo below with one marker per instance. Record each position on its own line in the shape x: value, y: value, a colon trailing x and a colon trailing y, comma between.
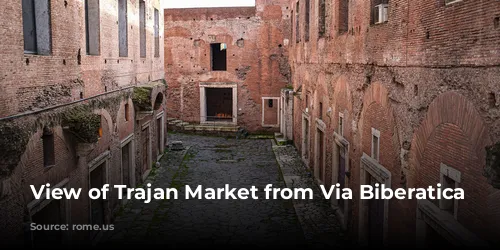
x: 219, y: 104
x: 219, y: 57
x: 341, y: 175
x: 159, y: 138
x: 97, y: 180
x: 126, y: 165
x: 321, y: 146
x: 434, y: 239
x: 145, y: 149
x: 305, y: 138
x: 49, y: 215
x: 375, y: 218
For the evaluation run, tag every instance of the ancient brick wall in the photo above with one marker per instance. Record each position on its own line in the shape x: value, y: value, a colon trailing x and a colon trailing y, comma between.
x: 424, y: 50
x: 38, y: 91
x: 31, y: 82
x: 257, y: 58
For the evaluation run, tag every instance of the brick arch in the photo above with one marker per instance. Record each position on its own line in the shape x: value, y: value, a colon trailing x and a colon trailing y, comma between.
x: 321, y: 92
x: 125, y: 128
x: 342, y: 90
x: 376, y: 94
x: 158, y: 101
x: 27, y: 169
x: 154, y: 94
x: 107, y: 117
x: 378, y: 112
x: 449, y: 108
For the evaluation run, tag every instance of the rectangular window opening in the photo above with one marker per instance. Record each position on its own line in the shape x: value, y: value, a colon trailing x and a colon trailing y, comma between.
x: 375, y: 147
x: 445, y: 204
x: 306, y: 23
x: 292, y: 20
x: 126, y: 112
x: 37, y: 27
x: 122, y: 28
x: 379, y: 11
x: 322, y: 18
x: 320, y: 111
x: 341, y: 124
x: 48, y: 149
x: 219, y: 56
x: 343, y: 16
x: 157, y: 33
x: 142, y: 28
x: 92, y: 26
x: 297, y: 25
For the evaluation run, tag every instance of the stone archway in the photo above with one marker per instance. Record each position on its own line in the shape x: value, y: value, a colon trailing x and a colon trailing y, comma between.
x: 158, y: 101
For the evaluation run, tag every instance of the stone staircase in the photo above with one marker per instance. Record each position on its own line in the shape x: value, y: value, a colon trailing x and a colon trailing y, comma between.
x: 177, y: 125
x: 280, y: 139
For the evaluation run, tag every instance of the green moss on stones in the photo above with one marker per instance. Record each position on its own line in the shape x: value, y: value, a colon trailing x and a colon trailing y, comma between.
x: 13, y: 140
x: 83, y: 123
x: 142, y: 98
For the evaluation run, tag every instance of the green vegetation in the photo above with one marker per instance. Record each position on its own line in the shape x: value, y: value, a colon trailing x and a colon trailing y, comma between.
x: 142, y: 98
x: 83, y: 123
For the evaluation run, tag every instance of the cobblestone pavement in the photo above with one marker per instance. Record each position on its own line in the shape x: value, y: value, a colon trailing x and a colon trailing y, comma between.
x: 214, y: 162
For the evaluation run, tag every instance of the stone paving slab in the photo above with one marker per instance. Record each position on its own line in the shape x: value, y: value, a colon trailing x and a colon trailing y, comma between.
x: 212, y: 162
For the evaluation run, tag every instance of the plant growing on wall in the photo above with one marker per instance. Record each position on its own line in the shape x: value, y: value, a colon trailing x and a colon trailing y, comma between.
x: 142, y: 98
x: 83, y: 124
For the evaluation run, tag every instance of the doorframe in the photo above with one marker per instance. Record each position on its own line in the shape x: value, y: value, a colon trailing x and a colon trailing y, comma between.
x: 321, y: 126
x: 147, y: 125
x: 36, y: 205
x: 277, y: 125
x: 203, y: 101
x: 161, y: 116
x: 339, y: 142
x: 129, y: 140
x: 306, y: 141
x: 102, y: 158
x: 370, y: 166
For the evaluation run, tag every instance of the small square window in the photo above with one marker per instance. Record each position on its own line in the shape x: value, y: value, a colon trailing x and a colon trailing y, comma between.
x: 341, y: 124
x: 219, y: 56
x: 450, y: 178
x: 126, y: 112
x: 320, y: 111
x: 49, y: 157
x: 375, y: 144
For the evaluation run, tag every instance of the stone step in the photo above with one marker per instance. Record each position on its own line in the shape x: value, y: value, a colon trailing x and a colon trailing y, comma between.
x: 281, y: 141
x: 183, y: 124
x: 278, y: 135
x: 171, y: 119
x: 216, y: 128
x: 175, y: 122
x: 189, y: 127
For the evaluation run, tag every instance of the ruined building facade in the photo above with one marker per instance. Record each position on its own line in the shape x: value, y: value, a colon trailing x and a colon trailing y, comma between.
x: 406, y: 94
x: 227, y: 66
x: 82, y: 104
x: 400, y: 93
